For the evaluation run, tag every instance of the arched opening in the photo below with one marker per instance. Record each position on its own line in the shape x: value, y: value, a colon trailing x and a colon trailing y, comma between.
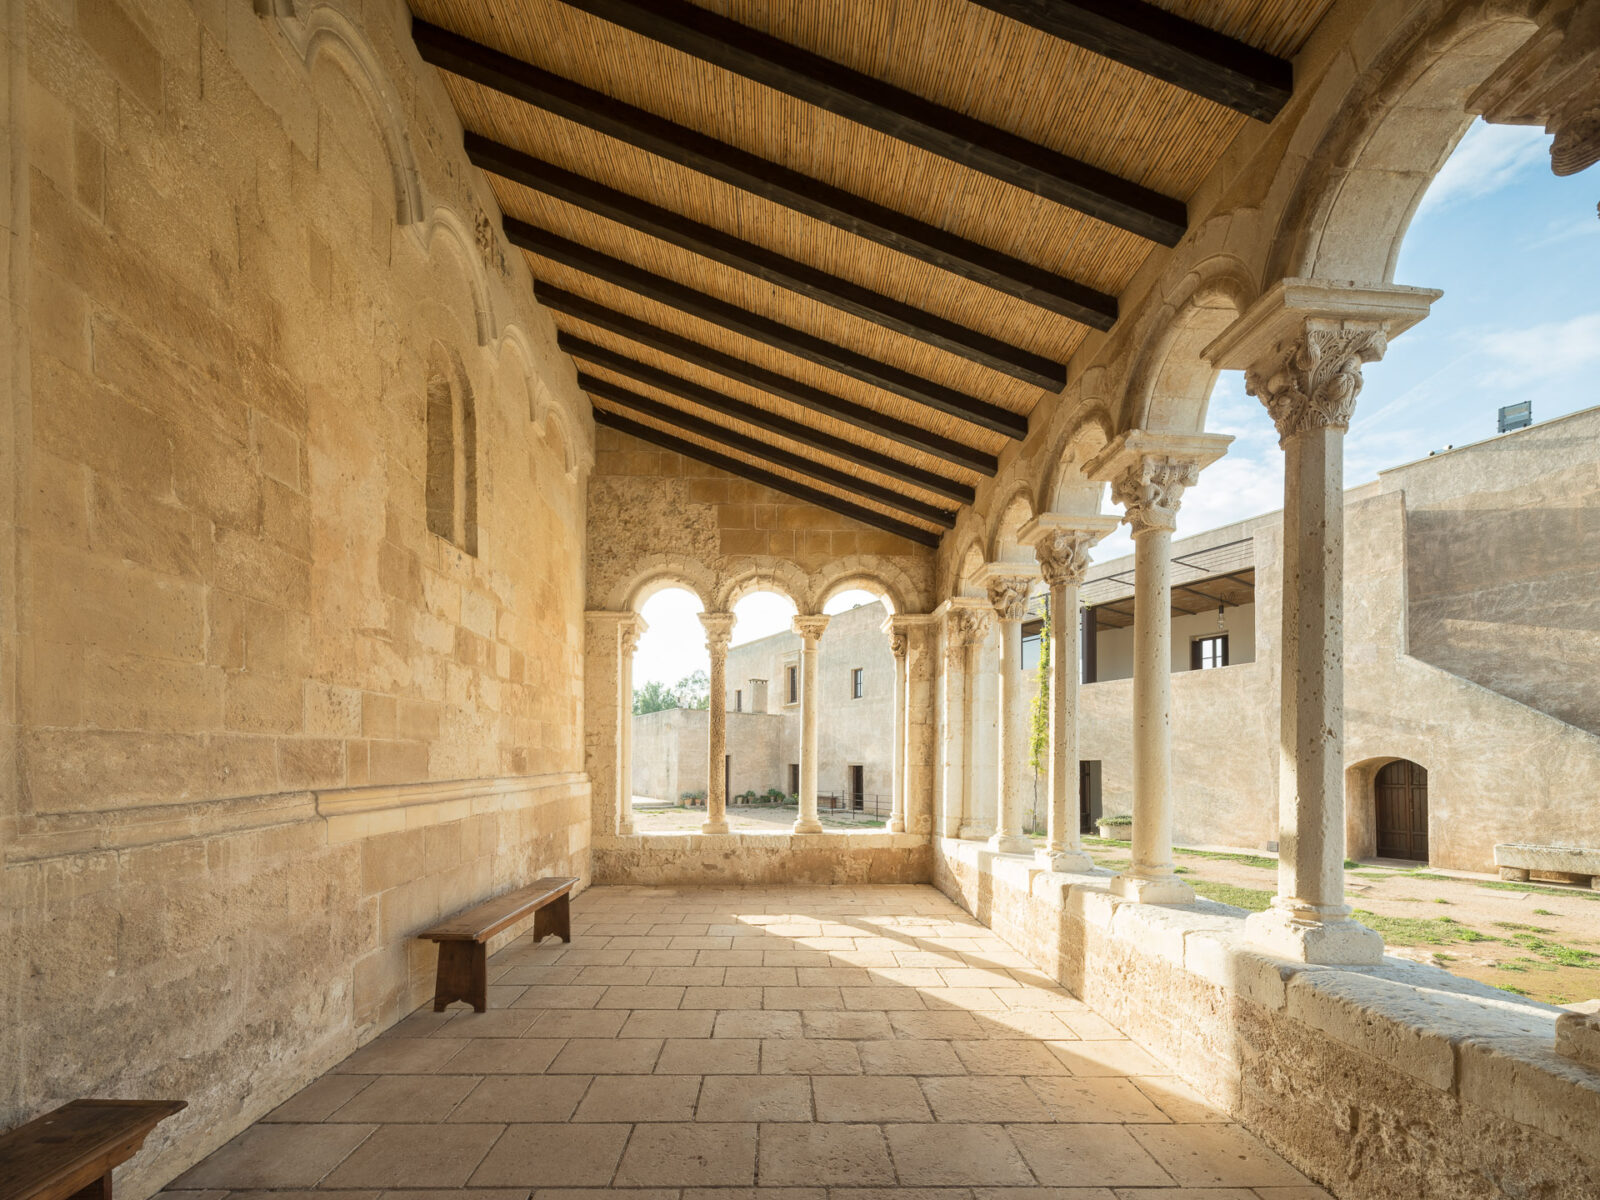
x: 761, y: 761
x: 858, y: 723
x: 452, y: 478
x: 1400, y: 810
x: 671, y: 696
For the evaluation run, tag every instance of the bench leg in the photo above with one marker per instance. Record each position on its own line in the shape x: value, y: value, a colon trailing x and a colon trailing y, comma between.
x: 100, y: 1189
x: 463, y: 975
x: 556, y: 918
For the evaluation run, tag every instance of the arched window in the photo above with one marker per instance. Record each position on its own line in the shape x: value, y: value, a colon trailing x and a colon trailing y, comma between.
x: 452, y: 489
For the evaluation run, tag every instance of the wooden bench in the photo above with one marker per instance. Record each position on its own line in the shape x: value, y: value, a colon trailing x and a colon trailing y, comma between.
x: 463, y: 955
x: 69, y: 1154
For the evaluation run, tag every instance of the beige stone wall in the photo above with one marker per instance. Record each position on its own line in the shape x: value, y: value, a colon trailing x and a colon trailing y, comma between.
x: 1394, y: 1082
x: 261, y: 725
x: 834, y: 857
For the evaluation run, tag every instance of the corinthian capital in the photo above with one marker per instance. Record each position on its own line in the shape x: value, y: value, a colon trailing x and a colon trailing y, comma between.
x: 965, y: 627
x: 719, y: 630
x: 1009, y: 595
x: 1311, y: 381
x: 1064, y: 555
x: 1150, y: 490
x: 811, y: 626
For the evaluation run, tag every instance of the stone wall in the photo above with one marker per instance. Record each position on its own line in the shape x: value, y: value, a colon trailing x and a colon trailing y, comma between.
x: 1396, y: 1082
x: 692, y: 859
x: 261, y: 724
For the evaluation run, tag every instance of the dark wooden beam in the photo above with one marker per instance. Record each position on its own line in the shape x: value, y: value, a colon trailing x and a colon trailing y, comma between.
x: 767, y: 265
x: 694, y: 150
x: 778, y: 483
x: 1156, y: 42
x: 751, y: 414
x: 898, y: 114
x: 801, y: 394
x: 604, y: 389
x: 763, y: 329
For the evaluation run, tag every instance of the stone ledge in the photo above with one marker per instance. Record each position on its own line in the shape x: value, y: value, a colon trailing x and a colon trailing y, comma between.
x: 684, y: 841
x: 1468, y: 1041
x: 354, y: 813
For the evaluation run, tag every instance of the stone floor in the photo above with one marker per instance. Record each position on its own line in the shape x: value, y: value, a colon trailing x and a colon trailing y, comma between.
x: 693, y: 1044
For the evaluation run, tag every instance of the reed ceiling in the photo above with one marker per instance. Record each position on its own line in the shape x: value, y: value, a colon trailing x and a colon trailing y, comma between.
x: 847, y: 244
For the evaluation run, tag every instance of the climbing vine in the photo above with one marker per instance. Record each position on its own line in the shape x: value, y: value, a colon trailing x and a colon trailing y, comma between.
x: 1039, y: 731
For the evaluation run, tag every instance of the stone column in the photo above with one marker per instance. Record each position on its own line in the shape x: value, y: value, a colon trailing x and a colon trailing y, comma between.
x: 1302, y: 346
x: 719, y: 631
x: 898, y: 644
x: 810, y: 628
x: 1148, y: 474
x: 1009, y: 596
x: 963, y: 626
x: 629, y: 631
x: 1062, y: 546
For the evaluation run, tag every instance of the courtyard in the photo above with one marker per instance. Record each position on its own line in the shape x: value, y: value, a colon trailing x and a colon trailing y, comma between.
x: 824, y: 1041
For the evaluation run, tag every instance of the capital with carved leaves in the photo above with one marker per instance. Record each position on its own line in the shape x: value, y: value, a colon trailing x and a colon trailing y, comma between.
x: 1061, y: 542
x: 629, y: 631
x: 1009, y: 595
x: 1311, y: 380
x: 965, y: 627
x: 719, y: 629
x: 1151, y: 489
x: 810, y: 626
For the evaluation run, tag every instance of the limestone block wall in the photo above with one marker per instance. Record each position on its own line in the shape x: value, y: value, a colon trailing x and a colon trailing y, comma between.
x: 1394, y: 1082
x: 260, y: 723
x: 692, y: 860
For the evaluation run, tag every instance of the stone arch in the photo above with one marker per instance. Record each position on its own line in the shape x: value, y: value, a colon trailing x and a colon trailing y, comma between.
x: 1019, y: 508
x: 656, y: 573
x: 451, y: 478
x: 446, y: 227
x: 868, y: 574
x: 1170, y: 383
x: 1059, y: 481
x: 1360, y: 798
x: 324, y: 30
x: 1350, y: 211
x: 745, y: 576
x: 553, y: 420
x: 965, y: 569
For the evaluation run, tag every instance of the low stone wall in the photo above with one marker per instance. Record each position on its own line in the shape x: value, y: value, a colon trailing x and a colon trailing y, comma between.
x: 757, y: 858
x: 1399, y: 1082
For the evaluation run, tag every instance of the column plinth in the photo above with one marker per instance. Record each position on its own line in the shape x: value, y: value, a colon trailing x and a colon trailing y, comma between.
x: 810, y: 628
x: 719, y: 632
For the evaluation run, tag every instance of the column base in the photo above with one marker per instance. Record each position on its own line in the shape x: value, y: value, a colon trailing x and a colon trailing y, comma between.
x: 975, y: 833
x: 714, y: 827
x: 805, y: 826
x: 1011, y: 843
x: 1167, y: 889
x: 1066, y: 862
x: 1336, y: 941
x: 895, y: 825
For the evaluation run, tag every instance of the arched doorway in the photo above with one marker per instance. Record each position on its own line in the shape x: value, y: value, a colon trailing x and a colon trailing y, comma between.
x: 1400, y: 795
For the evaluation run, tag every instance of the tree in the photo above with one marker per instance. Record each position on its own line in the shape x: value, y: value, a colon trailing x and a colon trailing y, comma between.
x: 1039, y: 739
x: 694, y: 690
x: 654, y: 696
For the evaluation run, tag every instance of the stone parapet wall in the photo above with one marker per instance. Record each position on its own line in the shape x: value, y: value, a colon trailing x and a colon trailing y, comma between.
x: 693, y: 859
x: 1396, y: 1082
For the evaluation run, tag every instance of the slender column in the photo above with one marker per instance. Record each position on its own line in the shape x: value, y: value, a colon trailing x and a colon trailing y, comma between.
x: 1009, y: 595
x: 719, y: 631
x: 1309, y: 386
x: 898, y: 638
x: 1062, y: 545
x: 1150, y: 490
x: 975, y: 631
x: 962, y: 627
x: 629, y: 631
x: 810, y: 628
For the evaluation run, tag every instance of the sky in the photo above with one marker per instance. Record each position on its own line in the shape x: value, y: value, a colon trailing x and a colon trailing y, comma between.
x: 1516, y: 251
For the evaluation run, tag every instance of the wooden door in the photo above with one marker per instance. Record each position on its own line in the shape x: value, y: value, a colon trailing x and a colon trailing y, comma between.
x: 1401, y: 793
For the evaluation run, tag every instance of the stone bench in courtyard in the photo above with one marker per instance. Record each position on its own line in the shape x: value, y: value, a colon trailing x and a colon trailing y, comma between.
x: 1576, y: 864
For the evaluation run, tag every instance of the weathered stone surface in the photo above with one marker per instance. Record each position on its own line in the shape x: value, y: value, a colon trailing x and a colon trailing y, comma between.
x: 738, y: 858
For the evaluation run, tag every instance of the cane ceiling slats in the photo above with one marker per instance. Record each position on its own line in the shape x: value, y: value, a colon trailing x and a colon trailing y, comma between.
x: 899, y: 348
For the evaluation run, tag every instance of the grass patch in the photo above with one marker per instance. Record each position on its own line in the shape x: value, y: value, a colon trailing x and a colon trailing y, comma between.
x: 1249, y: 860
x: 1538, y: 890
x: 1519, y: 928
x: 1441, y: 900
x: 1249, y: 899
x: 1421, y: 931
x: 1506, y: 987
x: 1100, y: 841
x: 1555, y: 952
x: 1543, y: 912
x: 1373, y: 874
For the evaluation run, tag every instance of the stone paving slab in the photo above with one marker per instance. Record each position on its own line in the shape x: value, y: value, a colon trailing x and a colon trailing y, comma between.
x: 845, y: 1043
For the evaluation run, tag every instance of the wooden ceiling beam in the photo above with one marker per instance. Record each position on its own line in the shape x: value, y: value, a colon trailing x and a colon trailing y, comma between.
x: 898, y: 114
x: 751, y: 414
x: 717, y: 160
x: 801, y: 394
x: 667, y: 414
x: 1167, y: 47
x: 664, y: 225
x: 763, y: 329
x: 778, y: 483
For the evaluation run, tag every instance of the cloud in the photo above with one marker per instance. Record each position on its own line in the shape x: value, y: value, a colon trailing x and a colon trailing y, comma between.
x: 1543, y: 353
x: 1487, y: 159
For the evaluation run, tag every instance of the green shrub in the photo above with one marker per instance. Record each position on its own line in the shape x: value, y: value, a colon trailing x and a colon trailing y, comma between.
x: 1120, y: 819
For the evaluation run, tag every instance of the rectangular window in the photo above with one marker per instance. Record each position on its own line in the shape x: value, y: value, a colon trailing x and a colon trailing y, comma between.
x: 858, y: 787
x: 1032, y: 638
x: 1208, y: 652
x: 794, y: 779
x: 738, y: 699
x: 857, y: 686
x: 791, y: 685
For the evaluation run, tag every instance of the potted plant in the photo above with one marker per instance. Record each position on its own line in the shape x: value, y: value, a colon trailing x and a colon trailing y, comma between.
x: 1116, y: 828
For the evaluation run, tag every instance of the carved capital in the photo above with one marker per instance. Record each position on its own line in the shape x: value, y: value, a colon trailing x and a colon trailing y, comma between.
x: 1064, y: 555
x: 719, y: 630
x: 628, y: 634
x: 965, y: 627
x: 899, y: 632
x: 1312, y: 381
x: 1009, y: 595
x: 811, y: 626
x: 1151, y: 489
